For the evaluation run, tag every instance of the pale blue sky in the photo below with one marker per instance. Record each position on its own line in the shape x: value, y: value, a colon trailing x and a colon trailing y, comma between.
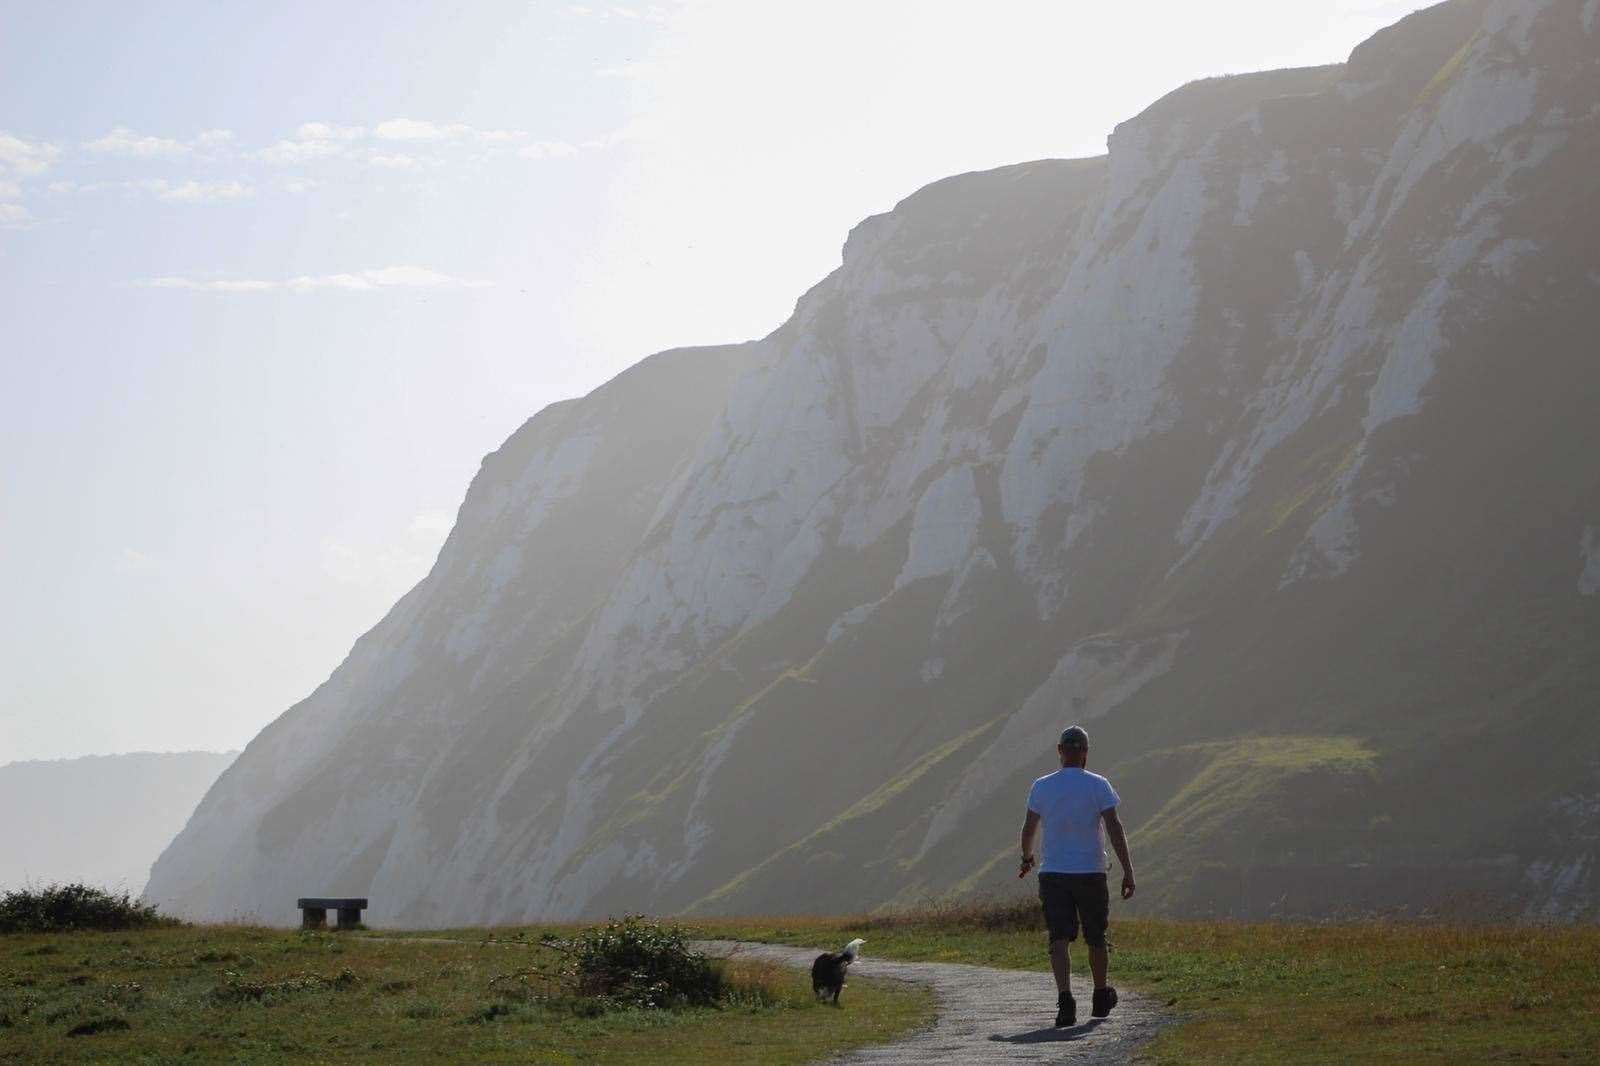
x: 273, y: 278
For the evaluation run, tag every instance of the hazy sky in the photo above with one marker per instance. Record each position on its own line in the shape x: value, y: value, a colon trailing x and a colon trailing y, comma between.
x: 274, y: 277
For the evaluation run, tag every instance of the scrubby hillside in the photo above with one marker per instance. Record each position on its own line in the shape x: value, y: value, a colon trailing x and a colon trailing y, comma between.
x: 1264, y: 445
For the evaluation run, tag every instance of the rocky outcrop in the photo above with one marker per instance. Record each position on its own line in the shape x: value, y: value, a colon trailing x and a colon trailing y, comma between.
x: 1275, y: 423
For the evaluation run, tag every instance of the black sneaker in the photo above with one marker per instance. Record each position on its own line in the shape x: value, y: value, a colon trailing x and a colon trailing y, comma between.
x: 1066, y: 1010
x: 1104, y: 999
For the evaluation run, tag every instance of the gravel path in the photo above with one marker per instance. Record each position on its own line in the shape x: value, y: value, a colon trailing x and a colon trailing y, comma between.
x: 985, y: 1015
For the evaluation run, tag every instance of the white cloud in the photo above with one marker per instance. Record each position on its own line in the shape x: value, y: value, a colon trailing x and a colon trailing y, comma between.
x: 126, y: 142
x: 25, y: 158
x: 548, y: 150
x: 14, y: 215
x: 290, y: 152
x: 200, y: 192
x: 311, y: 141
x: 395, y: 277
x: 10, y: 190
x: 182, y: 192
x: 566, y: 149
x: 300, y: 185
x: 411, y: 129
x: 209, y: 286
x: 328, y: 131
x: 131, y: 144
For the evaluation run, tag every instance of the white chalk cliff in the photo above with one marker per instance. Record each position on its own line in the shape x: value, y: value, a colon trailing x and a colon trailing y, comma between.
x: 1261, y: 445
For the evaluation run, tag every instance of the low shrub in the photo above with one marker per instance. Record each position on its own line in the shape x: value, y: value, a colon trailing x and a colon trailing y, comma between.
x: 637, y: 962
x: 65, y: 908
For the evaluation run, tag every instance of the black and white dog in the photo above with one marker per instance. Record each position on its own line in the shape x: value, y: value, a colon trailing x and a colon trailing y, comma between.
x: 827, y: 973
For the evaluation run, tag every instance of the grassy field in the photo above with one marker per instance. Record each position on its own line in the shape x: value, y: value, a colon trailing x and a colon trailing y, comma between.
x: 1281, y: 993
x: 1239, y: 993
x: 209, y: 994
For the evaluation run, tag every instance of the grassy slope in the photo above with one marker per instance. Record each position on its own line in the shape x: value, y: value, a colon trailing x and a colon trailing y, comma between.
x: 1230, y: 821
x: 1284, y: 993
x: 189, y: 994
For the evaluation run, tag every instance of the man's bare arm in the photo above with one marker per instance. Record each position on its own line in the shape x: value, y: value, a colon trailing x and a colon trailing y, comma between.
x: 1119, y: 844
x: 1030, y: 825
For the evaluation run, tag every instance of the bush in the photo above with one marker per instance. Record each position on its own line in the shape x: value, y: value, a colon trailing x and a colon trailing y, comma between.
x: 64, y: 908
x: 636, y: 962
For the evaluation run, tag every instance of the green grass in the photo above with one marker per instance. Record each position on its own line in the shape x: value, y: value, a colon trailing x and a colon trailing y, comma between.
x: 868, y: 804
x: 1239, y: 775
x: 1446, y: 73
x: 240, y: 994
x: 1285, y: 993
x: 1223, y: 809
x: 1239, y: 993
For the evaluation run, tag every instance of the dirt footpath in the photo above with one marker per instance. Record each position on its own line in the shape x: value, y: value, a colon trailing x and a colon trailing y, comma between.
x: 985, y: 1015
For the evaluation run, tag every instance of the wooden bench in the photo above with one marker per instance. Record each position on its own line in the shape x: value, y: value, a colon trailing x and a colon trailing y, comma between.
x: 314, y: 912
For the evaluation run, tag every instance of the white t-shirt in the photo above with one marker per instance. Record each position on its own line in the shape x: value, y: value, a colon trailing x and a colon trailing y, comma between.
x: 1069, y: 803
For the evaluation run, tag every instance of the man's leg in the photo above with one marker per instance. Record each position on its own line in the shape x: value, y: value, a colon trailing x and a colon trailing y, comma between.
x: 1097, y: 964
x: 1061, y: 965
x: 1095, y: 905
x: 1105, y: 997
x: 1061, y: 919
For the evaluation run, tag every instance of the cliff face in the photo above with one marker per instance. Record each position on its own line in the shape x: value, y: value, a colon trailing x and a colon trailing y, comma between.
x: 1265, y: 446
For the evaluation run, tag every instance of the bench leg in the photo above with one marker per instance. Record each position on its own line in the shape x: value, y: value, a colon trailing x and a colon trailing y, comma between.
x: 349, y: 917
x: 313, y: 918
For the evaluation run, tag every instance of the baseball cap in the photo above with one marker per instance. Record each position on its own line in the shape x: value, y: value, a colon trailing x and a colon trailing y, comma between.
x: 1074, y: 737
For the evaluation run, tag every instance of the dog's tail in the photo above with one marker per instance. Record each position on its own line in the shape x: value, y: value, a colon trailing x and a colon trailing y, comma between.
x: 852, y: 949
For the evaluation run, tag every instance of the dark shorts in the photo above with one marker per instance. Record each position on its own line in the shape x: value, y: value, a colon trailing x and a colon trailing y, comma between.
x: 1072, y: 898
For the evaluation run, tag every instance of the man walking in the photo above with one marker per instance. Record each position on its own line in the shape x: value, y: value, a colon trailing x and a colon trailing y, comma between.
x: 1072, y: 803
